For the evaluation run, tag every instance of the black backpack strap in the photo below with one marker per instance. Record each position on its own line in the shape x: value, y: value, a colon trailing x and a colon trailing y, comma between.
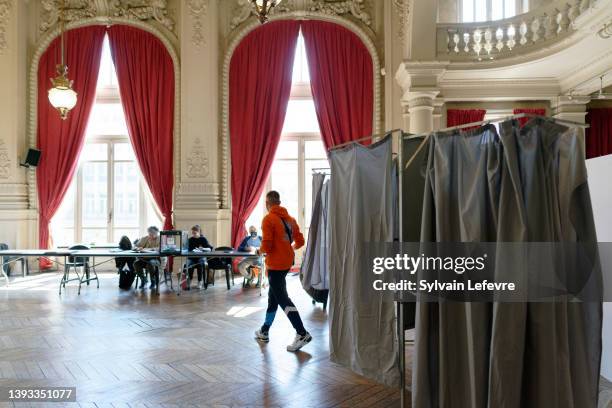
x: 287, y: 230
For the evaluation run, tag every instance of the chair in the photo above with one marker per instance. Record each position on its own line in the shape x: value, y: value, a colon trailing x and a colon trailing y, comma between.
x: 221, y: 263
x: 76, y: 262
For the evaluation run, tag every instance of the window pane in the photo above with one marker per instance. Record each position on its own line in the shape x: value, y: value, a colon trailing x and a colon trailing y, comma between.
x: 258, y: 213
x: 94, y: 151
x: 152, y: 217
x: 107, y: 119
x: 124, y: 151
x: 510, y: 8
x: 309, y: 165
x: 95, y: 195
x: 300, y: 65
x: 63, y: 237
x: 498, y: 9
x: 480, y: 12
x: 287, y: 149
x: 126, y: 202
x: 284, y: 179
x: 131, y: 233
x: 94, y: 236
x: 314, y: 149
x: 468, y: 11
x: 301, y: 117
x: 107, y: 76
x: 62, y: 224
x: 64, y: 217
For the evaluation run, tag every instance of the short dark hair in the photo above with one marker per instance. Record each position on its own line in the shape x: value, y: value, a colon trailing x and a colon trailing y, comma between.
x: 153, y: 228
x: 196, y: 228
x: 273, y: 197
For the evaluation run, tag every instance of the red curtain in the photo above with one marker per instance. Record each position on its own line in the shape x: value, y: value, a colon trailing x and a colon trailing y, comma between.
x: 61, y: 141
x: 599, y: 134
x: 259, y: 88
x: 341, y: 79
x: 458, y: 117
x: 146, y: 83
x: 531, y: 111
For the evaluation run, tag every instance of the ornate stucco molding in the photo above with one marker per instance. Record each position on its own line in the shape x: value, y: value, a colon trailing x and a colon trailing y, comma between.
x: 5, y: 14
x: 5, y: 161
x: 402, y: 8
x: 355, y: 8
x: 75, y: 10
x: 197, y: 11
x: 606, y: 31
x: 198, y: 166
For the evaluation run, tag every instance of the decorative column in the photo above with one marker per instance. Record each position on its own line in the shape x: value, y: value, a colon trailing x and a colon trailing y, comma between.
x: 570, y: 108
x: 419, y: 82
x: 421, y: 111
x: 16, y: 220
x: 197, y: 194
x: 439, y: 117
x: 397, y: 38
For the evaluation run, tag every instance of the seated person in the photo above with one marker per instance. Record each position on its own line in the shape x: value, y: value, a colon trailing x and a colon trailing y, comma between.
x: 197, y: 241
x: 125, y: 245
x: 251, y: 243
x: 149, y: 242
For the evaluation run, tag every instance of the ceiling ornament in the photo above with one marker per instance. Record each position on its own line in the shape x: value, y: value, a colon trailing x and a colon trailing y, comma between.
x: 357, y: 9
x: 5, y: 13
x: 74, y: 10
x: 197, y: 12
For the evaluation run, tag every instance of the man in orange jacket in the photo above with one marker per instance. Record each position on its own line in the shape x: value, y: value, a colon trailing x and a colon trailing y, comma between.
x: 280, y: 231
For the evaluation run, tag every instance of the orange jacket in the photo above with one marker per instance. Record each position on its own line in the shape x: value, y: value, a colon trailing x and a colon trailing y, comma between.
x: 275, y: 243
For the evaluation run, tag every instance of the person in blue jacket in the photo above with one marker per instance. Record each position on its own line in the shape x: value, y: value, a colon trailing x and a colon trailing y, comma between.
x: 251, y: 243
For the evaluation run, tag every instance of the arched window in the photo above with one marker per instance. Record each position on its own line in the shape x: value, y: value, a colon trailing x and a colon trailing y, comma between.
x: 108, y: 197
x: 300, y: 150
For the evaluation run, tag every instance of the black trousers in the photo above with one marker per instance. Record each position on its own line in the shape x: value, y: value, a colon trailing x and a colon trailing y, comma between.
x: 278, y: 296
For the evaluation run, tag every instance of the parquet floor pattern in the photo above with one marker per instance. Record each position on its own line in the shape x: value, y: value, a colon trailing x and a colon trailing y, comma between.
x: 137, y: 350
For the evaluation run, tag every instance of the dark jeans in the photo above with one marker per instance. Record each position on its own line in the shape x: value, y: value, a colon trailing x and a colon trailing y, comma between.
x: 199, y: 264
x: 278, y: 296
x: 151, y: 265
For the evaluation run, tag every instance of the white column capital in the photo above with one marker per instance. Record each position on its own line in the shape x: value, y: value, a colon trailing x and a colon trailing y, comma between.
x: 570, y: 107
x: 421, y: 99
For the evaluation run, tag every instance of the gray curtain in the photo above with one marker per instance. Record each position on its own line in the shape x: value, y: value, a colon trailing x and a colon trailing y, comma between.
x: 362, y: 327
x: 522, y: 185
x: 314, y: 272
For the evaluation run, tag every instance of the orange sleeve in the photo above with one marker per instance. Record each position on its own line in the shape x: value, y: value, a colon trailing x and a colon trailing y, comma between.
x: 298, y: 238
x: 267, y: 232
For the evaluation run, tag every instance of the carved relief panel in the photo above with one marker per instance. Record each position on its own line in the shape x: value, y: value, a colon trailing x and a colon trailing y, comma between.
x: 359, y: 10
x: 143, y: 10
x: 5, y: 161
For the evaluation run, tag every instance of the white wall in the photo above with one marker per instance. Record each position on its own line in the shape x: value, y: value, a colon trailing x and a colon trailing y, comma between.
x: 599, y: 171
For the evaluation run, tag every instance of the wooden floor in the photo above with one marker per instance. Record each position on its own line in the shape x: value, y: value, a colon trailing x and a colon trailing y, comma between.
x: 132, y: 349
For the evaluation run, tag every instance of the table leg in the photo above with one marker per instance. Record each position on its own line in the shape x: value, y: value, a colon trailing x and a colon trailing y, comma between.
x: 180, y: 280
x: 5, y: 276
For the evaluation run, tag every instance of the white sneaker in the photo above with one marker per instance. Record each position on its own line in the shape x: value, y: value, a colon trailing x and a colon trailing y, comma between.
x: 261, y: 336
x: 200, y: 285
x: 299, y: 342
